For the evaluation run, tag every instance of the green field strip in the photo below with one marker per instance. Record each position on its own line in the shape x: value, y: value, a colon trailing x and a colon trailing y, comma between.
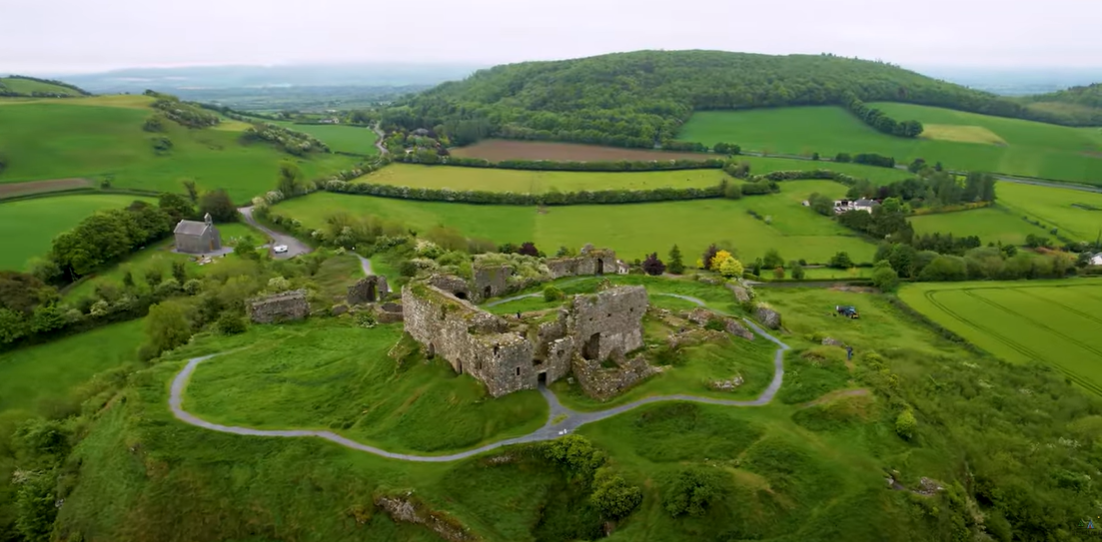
x: 1054, y: 322
x: 989, y: 337
x: 1051, y: 299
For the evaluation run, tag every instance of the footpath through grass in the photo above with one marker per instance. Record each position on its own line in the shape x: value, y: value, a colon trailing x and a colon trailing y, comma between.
x: 28, y: 227
x: 633, y: 230
x: 1056, y: 322
x: 1031, y: 148
x: 336, y: 376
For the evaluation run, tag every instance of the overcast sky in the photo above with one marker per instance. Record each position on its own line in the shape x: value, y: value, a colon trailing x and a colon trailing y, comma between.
x: 59, y: 36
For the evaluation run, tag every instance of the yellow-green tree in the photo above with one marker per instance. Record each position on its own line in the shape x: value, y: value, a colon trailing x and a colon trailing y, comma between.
x: 731, y: 268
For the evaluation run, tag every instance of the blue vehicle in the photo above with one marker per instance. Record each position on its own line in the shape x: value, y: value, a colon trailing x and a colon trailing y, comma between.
x: 848, y: 311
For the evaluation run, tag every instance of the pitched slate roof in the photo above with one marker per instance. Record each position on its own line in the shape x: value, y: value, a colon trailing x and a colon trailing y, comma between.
x: 191, y: 227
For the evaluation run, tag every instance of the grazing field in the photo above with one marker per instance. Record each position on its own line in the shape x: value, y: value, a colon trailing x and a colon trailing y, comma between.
x: 27, y: 86
x: 39, y: 378
x: 68, y: 138
x: 539, y: 182
x: 992, y: 224
x: 354, y: 139
x: 28, y: 227
x: 1031, y: 148
x: 1053, y: 322
x: 962, y: 134
x: 338, y: 376
x: 633, y: 230
x: 1076, y: 214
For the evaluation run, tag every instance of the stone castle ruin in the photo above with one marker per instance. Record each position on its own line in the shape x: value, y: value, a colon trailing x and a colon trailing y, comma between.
x: 367, y: 290
x: 590, y: 261
x: 589, y: 338
x: 281, y: 307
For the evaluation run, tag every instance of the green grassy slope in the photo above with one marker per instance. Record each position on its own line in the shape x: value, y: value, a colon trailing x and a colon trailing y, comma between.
x: 28, y: 86
x: 28, y: 227
x: 638, y: 98
x: 64, y: 138
x: 992, y: 225
x: 352, y: 139
x: 633, y: 230
x: 38, y: 379
x: 1032, y: 149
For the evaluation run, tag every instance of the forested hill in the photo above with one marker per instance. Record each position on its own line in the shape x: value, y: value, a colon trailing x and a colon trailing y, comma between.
x: 1083, y: 102
x: 636, y: 99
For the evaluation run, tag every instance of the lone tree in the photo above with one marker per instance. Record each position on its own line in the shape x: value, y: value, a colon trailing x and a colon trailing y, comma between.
x: 653, y: 266
x: 841, y: 260
x: 528, y: 249
x: 676, y: 266
x: 219, y: 205
x: 709, y: 255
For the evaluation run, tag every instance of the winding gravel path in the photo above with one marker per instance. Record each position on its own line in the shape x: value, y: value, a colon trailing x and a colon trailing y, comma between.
x: 294, y: 246
x: 549, y: 431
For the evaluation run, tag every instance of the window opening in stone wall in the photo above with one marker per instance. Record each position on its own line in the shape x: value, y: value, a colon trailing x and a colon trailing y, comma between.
x: 432, y: 351
x: 518, y: 371
x: 542, y: 379
x: 600, y: 266
x: 487, y: 292
x: 496, y: 348
x: 592, y: 349
x: 461, y: 295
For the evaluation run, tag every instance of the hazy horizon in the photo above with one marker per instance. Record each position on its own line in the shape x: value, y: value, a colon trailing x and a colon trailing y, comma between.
x: 70, y: 37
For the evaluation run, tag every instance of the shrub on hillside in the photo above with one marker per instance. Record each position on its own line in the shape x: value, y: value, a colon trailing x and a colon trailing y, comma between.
x: 231, y: 324
x: 552, y: 293
x: 653, y: 266
x: 183, y: 113
x: 690, y: 491
x: 841, y: 260
x: 290, y: 141
x: 906, y: 424
x: 613, y: 496
x: 154, y: 123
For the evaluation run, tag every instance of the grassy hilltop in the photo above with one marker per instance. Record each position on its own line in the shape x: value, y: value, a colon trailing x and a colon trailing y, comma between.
x: 103, y: 138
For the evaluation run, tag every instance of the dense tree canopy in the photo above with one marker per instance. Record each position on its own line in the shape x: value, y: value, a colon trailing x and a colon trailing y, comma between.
x: 642, y: 98
x: 1087, y: 98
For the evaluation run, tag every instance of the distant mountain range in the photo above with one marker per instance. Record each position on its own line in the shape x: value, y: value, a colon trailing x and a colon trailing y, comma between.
x: 227, y: 77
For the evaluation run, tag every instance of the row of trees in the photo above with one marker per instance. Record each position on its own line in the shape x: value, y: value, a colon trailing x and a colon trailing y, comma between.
x: 290, y: 141
x: 993, y: 262
x: 510, y: 198
x: 930, y: 188
x: 881, y: 121
x: 434, y: 158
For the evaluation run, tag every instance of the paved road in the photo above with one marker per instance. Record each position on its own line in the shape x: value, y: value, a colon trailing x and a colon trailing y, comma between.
x: 549, y: 431
x: 379, y: 142
x: 294, y: 246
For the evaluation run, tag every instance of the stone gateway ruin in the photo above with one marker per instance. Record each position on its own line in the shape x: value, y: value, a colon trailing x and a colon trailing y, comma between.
x: 590, y: 338
x: 281, y: 307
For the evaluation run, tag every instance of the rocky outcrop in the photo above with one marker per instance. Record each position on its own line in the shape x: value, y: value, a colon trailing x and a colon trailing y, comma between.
x: 281, y: 307
x: 741, y: 294
x: 734, y: 327
x: 730, y: 384
x: 767, y: 316
x: 388, y: 313
x: 700, y: 316
x: 367, y: 290
x: 408, y: 509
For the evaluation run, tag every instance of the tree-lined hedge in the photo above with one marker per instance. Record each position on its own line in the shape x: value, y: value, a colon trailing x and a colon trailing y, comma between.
x: 552, y: 165
x: 511, y: 198
x: 880, y: 120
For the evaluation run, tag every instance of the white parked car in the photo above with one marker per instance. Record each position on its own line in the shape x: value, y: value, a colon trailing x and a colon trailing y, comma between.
x: 280, y: 249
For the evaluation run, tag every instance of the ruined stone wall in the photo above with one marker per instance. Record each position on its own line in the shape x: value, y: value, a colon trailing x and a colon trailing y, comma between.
x: 452, y: 284
x: 281, y: 307
x: 490, y: 281
x: 603, y: 383
x: 554, y: 348
x: 592, y: 262
x: 609, y: 321
x: 471, y: 340
x: 367, y: 290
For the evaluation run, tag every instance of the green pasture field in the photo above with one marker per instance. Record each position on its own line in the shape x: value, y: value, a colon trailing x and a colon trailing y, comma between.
x: 28, y: 227
x: 159, y: 257
x: 66, y: 138
x: 1049, y: 321
x: 354, y: 139
x: 38, y: 379
x: 1076, y: 214
x: 539, y: 182
x: 26, y: 86
x: 992, y: 224
x: 338, y: 376
x: 633, y: 230
x: 1032, y: 149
